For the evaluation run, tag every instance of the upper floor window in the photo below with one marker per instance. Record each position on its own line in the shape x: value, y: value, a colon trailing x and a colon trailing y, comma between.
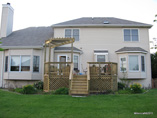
x: 72, y: 33
x: 131, y: 35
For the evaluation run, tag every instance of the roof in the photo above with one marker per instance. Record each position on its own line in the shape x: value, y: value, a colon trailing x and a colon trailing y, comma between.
x: 101, y: 21
x: 131, y: 49
x: 66, y: 48
x: 32, y: 36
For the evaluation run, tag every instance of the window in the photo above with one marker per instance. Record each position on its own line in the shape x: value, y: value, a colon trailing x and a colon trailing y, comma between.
x: 6, y: 63
x: 25, y: 63
x: 133, y: 63
x: 142, y: 64
x: 20, y: 63
x: 75, y: 62
x: 72, y: 33
x: 100, y: 58
x: 15, y: 63
x: 123, y: 64
x: 131, y: 35
x: 36, y: 64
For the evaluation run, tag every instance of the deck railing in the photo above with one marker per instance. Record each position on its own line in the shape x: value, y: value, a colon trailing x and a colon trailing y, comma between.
x: 102, y: 76
x: 57, y: 75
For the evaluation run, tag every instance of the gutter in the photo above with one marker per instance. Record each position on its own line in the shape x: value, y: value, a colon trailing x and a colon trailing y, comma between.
x: 23, y: 47
x: 2, y: 69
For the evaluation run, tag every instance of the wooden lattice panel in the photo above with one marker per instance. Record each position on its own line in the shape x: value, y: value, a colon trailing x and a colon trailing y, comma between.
x: 57, y: 82
x: 115, y: 84
x: 100, y: 83
x: 46, y: 81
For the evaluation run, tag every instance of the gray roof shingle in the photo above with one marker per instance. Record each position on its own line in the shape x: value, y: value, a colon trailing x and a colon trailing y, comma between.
x: 32, y: 36
x: 131, y: 49
x: 66, y: 49
x: 99, y: 21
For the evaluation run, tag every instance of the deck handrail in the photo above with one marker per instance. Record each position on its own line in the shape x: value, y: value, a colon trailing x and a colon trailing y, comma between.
x: 88, y: 76
x: 71, y: 71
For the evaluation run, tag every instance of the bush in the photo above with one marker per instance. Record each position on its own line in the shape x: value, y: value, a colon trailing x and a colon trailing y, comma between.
x: 136, y: 88
x: 63, y: 91
x: 29, y: 89
x: 19, y: 90
x: 121, y: 86
x: 38, y: 85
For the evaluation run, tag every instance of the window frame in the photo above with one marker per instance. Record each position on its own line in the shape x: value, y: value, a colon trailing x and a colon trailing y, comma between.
x: 6, y: 63
x: 129, y: 63
x: 33, y: 64
x: 131, y: 34
x: 121, y: 63
x: 20, y: 63
x: 72, y: 29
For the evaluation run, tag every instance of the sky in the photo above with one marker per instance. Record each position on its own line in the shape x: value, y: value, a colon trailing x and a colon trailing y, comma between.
x: 34, y: 13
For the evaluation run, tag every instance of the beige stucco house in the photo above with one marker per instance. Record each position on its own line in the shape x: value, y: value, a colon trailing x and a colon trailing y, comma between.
x: 98, y: 39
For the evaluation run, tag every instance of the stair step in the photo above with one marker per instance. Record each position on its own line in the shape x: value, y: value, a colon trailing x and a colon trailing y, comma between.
x: 79, y: 79
x: 74, y: 91
x: 79, y: 87
x: 79, y: 84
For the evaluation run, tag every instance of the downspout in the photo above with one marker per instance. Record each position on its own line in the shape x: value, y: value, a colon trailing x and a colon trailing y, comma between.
x: 2, y: 69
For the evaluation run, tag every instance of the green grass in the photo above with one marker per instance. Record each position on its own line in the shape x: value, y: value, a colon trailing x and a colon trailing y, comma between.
x: 14, y: 105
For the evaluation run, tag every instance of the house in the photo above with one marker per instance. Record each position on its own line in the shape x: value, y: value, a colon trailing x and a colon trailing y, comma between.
x: 97, y: 39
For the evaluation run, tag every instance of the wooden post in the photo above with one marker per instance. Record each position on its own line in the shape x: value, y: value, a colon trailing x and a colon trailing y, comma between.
x: 71, y: 52
x: 49, y: 66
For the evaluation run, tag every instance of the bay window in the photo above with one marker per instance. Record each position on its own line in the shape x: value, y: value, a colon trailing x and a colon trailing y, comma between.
x: 123, y: 64
x: 36, y: 64
x: 133, y: 63
x: 142, y: 63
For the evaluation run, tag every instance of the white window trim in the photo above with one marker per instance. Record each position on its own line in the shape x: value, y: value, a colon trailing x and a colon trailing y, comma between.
x: 19, y: 65
x: 144, y: 63
x: 125, y: 62
x: 138, y: 63
x: 131, y: 38
x: 78, y: 60
x: 39, y: 64
x: 72, y: 32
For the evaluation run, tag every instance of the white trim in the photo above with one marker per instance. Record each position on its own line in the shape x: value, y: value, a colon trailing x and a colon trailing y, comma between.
x: 138, y: 64
x: 19, y: 64
x: 62, y: 55
x: 131, y: 36
x: 72, y: 32
x: 120, y: 62
x: 131, y: 52
x: 2, y: 67
x: 78, y: 60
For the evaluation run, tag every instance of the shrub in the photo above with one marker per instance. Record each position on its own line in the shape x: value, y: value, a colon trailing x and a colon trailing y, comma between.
x: 126, y: 91
x: 19, y: 90
x: 63, y: 91
x: 38, y: 85
x: 136, y: 88
x: 29, y: 89
x: 121, y: 86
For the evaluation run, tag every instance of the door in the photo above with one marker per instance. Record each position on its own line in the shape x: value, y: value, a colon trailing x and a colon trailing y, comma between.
x: 62, y: 59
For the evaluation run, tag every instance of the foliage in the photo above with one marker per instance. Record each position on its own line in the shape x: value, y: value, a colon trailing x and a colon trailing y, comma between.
x: 155, y: 19
x: 136, y: 88
x: 38, y: 85
x: 63, y: 91
x: 1, y: 49
x: 29, y: 89
x: 121, y: 85
x: 125, y: 91
x: 154, y: 65
x: 19, y: 90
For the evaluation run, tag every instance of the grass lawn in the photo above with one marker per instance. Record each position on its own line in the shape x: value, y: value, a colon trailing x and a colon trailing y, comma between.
x: 13, y: 105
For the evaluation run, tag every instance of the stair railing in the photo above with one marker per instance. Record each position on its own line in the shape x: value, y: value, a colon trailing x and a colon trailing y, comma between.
x: 71, y: 76
x: 88, y: 77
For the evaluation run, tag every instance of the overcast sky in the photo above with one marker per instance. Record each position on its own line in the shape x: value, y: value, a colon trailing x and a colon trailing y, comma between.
x: 30, y: 13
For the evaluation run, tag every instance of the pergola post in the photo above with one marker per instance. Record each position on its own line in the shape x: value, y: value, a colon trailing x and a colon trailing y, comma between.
x: 71, y: 52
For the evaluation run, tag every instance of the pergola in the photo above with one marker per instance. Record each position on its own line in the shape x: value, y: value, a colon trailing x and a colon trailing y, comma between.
x: 55, y: 42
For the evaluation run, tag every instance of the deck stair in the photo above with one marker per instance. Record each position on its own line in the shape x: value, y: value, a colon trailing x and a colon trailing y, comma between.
x: 79, y: 85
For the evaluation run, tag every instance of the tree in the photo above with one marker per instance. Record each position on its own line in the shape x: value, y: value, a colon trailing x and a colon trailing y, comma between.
x: 1, y: 49
x: 154, y: 65
x: 155, y: 19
